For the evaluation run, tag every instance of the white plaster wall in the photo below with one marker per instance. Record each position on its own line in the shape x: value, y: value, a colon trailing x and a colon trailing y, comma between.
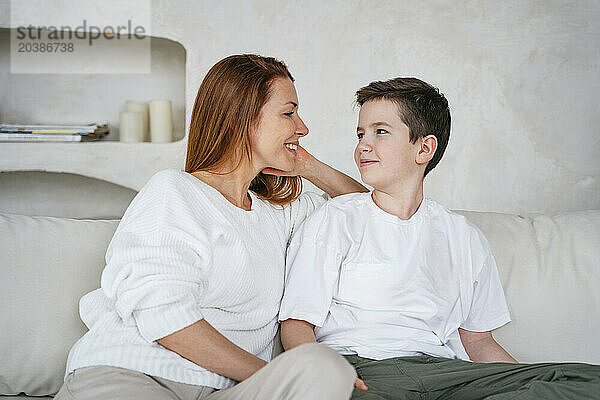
x: 61, y: 195
x: 521, y: 78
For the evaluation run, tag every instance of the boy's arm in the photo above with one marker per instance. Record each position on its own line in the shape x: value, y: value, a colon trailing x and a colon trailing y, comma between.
x: 295, y: 332
x: 489, y: 309
x: 482, y: 348
x: 313, y: 260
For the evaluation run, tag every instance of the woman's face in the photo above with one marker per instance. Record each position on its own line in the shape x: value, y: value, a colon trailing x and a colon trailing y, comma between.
x: 275, y: 139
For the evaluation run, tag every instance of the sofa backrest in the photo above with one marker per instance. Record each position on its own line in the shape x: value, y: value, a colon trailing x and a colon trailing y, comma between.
x: 550, y: 272
x: 548, y: 265
x: 47, y: 264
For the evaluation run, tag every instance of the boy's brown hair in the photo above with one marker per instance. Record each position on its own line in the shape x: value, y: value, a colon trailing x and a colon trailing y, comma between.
x: 421, y: 107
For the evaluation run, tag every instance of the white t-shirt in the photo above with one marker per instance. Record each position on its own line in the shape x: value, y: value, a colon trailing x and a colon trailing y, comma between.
x: 182, y: 253
x: 381, y: 287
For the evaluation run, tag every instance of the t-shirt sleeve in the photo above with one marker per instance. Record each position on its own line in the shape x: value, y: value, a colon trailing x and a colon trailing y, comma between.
x: 303, y: 206
x: 489, y: 309
x: 312, y: 269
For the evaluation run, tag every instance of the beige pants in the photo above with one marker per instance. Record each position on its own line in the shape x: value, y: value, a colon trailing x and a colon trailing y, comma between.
x: 310, y: 371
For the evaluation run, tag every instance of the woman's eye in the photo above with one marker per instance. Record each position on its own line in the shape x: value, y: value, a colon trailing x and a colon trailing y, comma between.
x: 381, y: 131
x: 289, y: 114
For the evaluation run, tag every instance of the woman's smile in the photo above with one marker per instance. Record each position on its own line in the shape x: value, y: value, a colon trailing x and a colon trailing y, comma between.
x: 291, y: 147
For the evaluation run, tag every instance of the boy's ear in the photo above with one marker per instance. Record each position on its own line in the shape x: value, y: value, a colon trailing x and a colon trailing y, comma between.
x: 427, y: 150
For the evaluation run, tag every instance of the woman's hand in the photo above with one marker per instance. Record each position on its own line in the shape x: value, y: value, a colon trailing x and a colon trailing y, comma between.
x: 326, y: 178
x: 302, y: 165
x: 202, y: 344
x: 359, y: 384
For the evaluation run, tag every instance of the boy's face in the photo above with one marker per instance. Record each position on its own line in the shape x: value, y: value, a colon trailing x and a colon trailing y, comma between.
x: 384, y: 155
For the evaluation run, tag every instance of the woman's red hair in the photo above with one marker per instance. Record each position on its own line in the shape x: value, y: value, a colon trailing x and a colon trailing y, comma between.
x: 227, y: 106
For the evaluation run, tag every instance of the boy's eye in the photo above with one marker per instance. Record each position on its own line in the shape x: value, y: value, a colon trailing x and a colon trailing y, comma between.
x: 381, y: 131
x: 360, y: 135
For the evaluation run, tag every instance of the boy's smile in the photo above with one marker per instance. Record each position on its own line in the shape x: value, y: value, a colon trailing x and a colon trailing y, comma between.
x: 365, y: 161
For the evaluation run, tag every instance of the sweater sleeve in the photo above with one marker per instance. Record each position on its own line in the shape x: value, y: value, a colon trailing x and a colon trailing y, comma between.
x: 156, y: 280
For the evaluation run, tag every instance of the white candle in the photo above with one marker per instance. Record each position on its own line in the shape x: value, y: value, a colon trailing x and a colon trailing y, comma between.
x: 142, y: 108
x: 161, y: 121
x: 131, y: 127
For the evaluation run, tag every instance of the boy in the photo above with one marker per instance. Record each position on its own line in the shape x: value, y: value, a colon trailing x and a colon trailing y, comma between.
x: 405, y: 289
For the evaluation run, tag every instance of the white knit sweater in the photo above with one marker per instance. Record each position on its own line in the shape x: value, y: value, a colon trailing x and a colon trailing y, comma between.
x: 181, y: 253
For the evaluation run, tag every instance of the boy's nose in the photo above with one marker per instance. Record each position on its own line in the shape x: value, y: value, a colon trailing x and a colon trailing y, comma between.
x: 364, y: 147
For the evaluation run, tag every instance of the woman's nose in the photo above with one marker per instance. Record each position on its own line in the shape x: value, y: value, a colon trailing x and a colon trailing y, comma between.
x: 301, y: 128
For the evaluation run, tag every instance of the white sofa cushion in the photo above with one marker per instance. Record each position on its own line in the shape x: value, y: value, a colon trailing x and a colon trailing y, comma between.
x: 549, y: 266
x: 550, y: 271
x: 47, y: 264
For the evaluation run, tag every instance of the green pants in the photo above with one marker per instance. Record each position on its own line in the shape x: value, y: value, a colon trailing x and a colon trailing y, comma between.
x: 427, y: 377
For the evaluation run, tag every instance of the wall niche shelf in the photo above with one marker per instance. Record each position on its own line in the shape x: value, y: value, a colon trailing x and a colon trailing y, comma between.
x: 87, y: 98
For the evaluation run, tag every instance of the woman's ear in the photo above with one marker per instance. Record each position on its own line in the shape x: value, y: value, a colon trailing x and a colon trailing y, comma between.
x: 427, y: 150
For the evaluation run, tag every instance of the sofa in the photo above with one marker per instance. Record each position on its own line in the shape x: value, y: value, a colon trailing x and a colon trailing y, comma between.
x: 549, y: 266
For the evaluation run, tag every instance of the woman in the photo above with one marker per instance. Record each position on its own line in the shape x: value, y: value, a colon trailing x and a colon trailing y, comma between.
x: 195, y: 271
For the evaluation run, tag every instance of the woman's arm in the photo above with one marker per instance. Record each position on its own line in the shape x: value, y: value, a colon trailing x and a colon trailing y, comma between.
x: 481, y: 347
x: 326, y: 178
x: 202, y: 344
x: 330, y: 180
x: 295, y: 332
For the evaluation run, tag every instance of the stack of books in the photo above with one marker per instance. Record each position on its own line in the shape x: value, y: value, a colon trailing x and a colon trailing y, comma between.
x: 52, y: 133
